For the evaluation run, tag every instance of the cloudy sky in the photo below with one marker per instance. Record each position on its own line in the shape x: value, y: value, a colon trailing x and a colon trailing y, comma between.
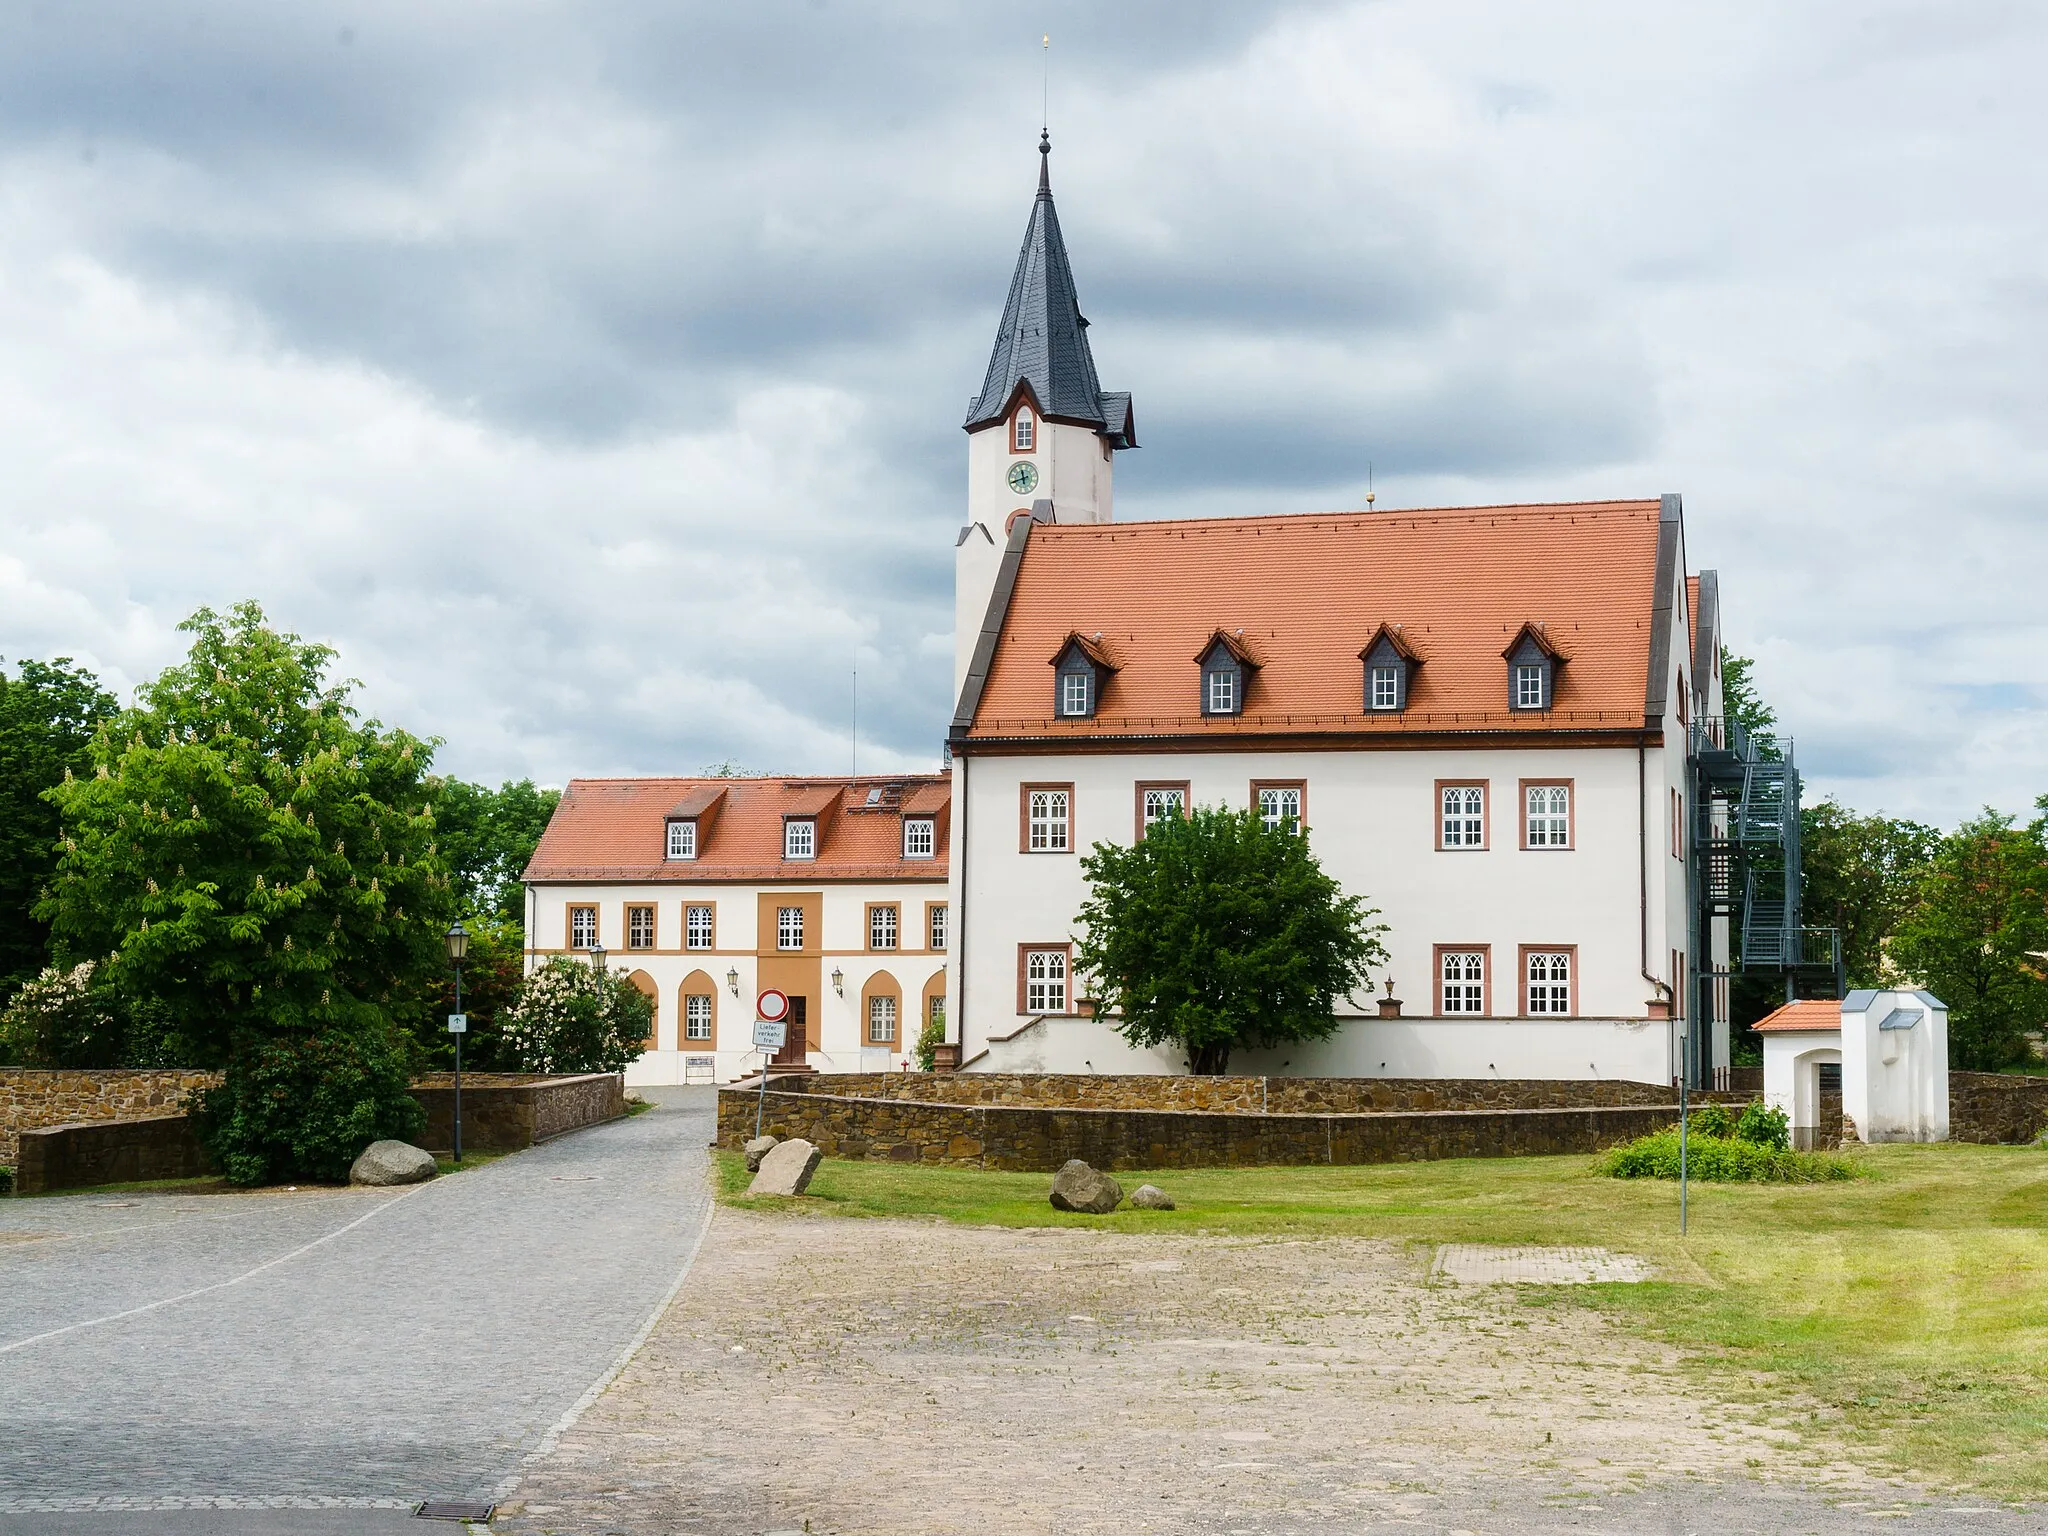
x: 591, y: 374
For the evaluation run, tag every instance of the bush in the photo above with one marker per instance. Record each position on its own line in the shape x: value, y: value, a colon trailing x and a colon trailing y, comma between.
x: 929, y: 1039
x: 1712, y: 1120
x: 1764, y: 1126
x: 74, y: 1019
x: 1721, y: 1160
x: 572, y: 1018
x: 304, y: 1106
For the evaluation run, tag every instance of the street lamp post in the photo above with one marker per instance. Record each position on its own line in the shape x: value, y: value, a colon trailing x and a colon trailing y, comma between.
x: 458, y: 1023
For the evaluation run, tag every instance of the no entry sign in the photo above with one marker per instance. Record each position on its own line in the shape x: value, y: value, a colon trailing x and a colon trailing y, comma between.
x: 772, y: 1005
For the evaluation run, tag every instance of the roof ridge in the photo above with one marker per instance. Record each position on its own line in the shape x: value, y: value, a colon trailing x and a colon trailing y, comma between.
x: 1361, y: 514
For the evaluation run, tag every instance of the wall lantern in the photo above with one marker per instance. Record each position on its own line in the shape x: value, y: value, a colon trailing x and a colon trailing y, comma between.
x: 732, y: 981
x: 838, y: 981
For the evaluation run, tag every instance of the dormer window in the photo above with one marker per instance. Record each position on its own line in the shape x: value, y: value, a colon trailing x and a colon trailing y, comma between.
x: 800, y: 838
x: 1532, y: 670
x: 918, y: 837
x: 1390, y: 663
x: 1079, y: 670
x: 1226, y: 671
x: 682, y: 839
x: 1023, y: 430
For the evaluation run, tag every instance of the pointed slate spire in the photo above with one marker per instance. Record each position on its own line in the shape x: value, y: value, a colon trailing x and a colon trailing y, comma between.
x: 1044, y: 338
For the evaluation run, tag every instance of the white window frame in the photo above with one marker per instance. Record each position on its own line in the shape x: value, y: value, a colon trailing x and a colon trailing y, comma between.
x: 1547, y: 816
x: 920, y: 837
x: 935, y: 1010
x: 1547, y: 982
x: 882, y: 1008
x: 1163, y: 802
x: 1279, y: 813
x: 1386, y: 688
x: 1219, y: 691
x: 698, y: 934
x: 1529, y: 688
x: 885, y: 925
x: 696, y: 1013
x: 633, y: 923
x: 1077, y: 694
x: 1045, y: 981
x: 579, y: 919
x: 800, y: 838
x: 1048, y: 820
x: 935, y: 923
x: 682, y: 839
x: 1023, y: 431
x: 1461, y: 982
x: 1462, y: 816
x: 789, y: 928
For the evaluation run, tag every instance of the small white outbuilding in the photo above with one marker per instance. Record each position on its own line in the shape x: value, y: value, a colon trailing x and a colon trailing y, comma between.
x: 1892, y: 1050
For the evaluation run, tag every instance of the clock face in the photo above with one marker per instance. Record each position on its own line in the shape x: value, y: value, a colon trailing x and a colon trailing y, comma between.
x: 1023, y: 477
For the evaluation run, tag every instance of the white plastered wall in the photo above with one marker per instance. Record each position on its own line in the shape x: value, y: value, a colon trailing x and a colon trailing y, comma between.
x: 1372, y: 820
x: 837, y: 1020
x: 1895, y: 1081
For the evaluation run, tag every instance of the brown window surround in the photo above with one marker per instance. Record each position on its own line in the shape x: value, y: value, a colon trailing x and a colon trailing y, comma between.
x: 1485, y: 814
x: 569, y: 924
x: 885, y: 906
x: 1024, y: 817
x: 945, y: 917
x: 1037, y: 427
x: 696, y: 984
x: 653, y: 941
x: 1571, y: 814
x: 881, y: 984
x: 1300, y: 785
x: 1024, y: 950
x: 1522, y: 979
x: 934, y: 991
x: 1436, y: 979
x: 647, y: 989
x: 1138, y: 807
x: 710, y: 907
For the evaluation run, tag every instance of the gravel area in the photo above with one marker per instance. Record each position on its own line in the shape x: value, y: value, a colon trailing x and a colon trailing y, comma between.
x: 872, y: 1377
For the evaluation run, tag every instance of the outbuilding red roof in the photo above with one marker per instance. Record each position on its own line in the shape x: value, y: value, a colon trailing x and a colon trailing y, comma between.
x: 617, y: 829
x: 1808, y: 1014
x: 1304, y: 593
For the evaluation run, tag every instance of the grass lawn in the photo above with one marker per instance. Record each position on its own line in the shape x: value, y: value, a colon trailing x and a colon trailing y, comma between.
x: 1905, y: 1314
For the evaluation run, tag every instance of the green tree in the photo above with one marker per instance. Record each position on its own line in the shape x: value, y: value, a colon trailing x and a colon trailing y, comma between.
x: 487, y: 837
x: 261, y: 863
x: 1218, y: 933
x: 1858, y: 875
x: 1980, y: 910
x: 48, y: 714
x: 1741, y: 703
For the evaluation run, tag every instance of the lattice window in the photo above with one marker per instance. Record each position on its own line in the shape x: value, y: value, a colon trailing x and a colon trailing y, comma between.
x: 1045, y: 981
x: 1464, y: 981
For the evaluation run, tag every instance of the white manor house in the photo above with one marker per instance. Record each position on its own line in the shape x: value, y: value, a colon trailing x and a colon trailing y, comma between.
x: 1501, y: 726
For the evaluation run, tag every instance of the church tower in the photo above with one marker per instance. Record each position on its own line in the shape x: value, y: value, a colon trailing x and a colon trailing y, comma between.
x: 1042, y: 432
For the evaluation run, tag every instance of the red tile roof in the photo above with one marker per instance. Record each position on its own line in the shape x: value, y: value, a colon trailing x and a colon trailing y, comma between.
x: 1309, y: 591
x: 616, y: 829
x: 1819, y: 1013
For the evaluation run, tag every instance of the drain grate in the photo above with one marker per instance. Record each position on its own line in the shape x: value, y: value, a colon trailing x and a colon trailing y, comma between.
x: 453, y: 1509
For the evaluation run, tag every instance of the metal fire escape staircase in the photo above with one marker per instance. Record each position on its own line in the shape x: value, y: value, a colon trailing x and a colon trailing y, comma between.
x: 1745, y: 867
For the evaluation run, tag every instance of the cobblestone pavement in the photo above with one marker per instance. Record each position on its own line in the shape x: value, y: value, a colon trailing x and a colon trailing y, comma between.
x: 345, y: 1348
x: 885, y: 1378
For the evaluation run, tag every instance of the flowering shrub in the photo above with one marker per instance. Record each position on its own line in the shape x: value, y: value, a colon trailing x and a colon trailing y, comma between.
x: 572, y: 1018
x: 73, y: 1018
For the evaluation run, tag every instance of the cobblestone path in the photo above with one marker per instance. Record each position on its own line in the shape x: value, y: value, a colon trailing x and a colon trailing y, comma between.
x: 396, y: 1346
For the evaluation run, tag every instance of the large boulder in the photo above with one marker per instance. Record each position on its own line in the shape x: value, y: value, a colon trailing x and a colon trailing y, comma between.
x: 787, y: 1168
x: 392, y: 1162
x: 757, y: 1149
x: 1077, y: 1187
x: 1150, y: 1197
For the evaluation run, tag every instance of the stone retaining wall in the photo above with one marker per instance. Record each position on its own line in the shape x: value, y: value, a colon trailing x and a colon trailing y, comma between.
x: 1996, y: 1107
x: 32, y: 1096
x: 505, y: 1113
x: 1038, y: 1138
x: 1241, y: 1095
x: 107, y: 1152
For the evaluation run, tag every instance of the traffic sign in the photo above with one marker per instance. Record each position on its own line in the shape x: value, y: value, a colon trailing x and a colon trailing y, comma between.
x: 772, y: 1005
x: 769, y: 1034
x: 458, y: 1023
